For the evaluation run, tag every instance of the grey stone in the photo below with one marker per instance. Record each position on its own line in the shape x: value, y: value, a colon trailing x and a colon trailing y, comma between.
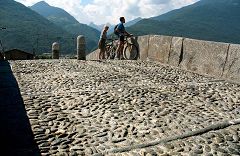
x: 97, y: 154
x: 159, y: 48
x: 118, y: 140
x: 88, y: 151
x: 76, y: 148
x: 55, y: 50
x: 204, y: 57
x: 232, y: 67
x: 143, y: 43
x: 207, y: 148
x: 81, y: 48
x: 136, y: 103
x: 175, y: 51
x: 236, y: 138
x: 56, y: 142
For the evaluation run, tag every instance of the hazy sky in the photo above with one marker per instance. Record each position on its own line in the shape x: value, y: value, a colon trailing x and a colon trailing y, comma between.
x: 109, y: 11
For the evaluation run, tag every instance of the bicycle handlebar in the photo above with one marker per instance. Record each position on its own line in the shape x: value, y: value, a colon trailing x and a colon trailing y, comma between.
x: 114, y: 39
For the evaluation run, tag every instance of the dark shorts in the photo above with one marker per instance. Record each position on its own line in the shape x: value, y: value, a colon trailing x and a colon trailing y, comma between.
x: 102, y: 44
x: 121, y: 38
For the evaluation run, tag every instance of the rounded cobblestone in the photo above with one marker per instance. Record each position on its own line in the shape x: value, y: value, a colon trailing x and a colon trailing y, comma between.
x: 88, y: 108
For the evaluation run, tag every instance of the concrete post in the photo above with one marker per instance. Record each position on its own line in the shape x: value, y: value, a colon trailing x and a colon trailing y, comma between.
x: 81, y: 47
x: 55, y: 50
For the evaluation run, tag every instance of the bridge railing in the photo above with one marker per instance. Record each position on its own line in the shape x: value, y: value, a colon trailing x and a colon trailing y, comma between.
x: 221, y: 60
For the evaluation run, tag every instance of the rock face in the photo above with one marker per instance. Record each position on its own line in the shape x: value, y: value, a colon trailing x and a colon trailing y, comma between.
x: 159, y: 48
x: 175, y: 52
x: 232, y: 67
x: 204, y: 57
x: 143, y: 43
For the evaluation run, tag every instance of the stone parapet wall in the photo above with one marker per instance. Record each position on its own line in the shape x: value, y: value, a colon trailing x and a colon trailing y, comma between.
x: 93, y: 55
x: 232, y: 66
x: 221, y: 60
x: 159, y: 48
x: 204, y: 57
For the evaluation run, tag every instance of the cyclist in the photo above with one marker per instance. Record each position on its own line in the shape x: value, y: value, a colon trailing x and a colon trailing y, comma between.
x: 102, y: 42
x: 121, y: 33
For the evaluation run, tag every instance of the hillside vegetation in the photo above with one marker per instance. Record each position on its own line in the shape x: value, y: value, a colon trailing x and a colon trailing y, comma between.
x: 67, y: 22
x: 216, y: 20
x: 27, y: 30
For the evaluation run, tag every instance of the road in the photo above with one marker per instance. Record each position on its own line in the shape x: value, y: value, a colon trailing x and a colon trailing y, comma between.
x: 129, y: 108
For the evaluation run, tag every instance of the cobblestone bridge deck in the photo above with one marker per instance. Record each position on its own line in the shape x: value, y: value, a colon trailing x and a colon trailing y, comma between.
x: 130, y: 108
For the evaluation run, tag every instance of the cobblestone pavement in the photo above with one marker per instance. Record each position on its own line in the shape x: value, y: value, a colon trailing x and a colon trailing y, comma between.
x: 130, y: 108
x: 16, y: 136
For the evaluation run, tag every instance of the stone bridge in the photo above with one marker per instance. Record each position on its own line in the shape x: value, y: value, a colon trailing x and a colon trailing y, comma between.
x: 122, y: 108
x: 221, y: 60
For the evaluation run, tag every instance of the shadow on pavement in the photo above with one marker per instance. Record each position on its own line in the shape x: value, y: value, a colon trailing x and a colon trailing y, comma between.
x: 16, y: 136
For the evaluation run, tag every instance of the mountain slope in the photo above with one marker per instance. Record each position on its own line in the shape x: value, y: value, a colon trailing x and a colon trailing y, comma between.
x: 132, y: 22
x: 64, y: 20
x: 216, y: 20
x: 27, y: 30
x: 59, y: 16
x: 111, y: 27
x: 99, y: 27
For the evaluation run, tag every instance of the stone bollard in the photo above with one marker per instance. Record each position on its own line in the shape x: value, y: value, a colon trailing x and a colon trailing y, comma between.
x: 81, y: 47
x: 55, y: 50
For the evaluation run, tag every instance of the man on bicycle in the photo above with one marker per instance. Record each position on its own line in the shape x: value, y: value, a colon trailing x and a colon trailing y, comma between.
x: 121, y: 33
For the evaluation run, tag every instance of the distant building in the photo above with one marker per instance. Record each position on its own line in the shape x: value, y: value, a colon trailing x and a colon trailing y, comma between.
x: 16, y: 54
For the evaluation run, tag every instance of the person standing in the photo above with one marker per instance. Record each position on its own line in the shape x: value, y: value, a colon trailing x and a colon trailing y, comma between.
x: 120, y: 29
x: 102, y: 42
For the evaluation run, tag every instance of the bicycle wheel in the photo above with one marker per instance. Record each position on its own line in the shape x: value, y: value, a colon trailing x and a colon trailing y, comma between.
x: 107, y: 51
x: 110, y: 52
x: 130, y: 52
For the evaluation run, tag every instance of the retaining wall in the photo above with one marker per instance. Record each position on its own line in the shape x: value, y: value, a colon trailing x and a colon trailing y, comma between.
x: 221, y: 60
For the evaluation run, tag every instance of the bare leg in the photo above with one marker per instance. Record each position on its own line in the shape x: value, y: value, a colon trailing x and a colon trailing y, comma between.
x: 120, y: 49
x: 103, y: 53
x: 100, y: 54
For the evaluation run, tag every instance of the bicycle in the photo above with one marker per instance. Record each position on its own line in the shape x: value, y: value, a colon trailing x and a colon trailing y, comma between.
x: 130, y: 51
x: 111, y: 48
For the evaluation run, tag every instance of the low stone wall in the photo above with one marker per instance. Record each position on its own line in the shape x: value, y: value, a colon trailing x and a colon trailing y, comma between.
x: 221, y: 60
x: 204, y: 57
x: 93, y: 55
x: 232, y: 66
x: 159, y: 48
x: 175, y: 51
x: 143, y: 45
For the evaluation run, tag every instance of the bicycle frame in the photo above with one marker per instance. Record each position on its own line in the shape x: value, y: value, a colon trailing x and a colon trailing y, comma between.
x: 112, y: 46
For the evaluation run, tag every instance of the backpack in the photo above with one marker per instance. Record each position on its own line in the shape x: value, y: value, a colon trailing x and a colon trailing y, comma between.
x: 115, y: 30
